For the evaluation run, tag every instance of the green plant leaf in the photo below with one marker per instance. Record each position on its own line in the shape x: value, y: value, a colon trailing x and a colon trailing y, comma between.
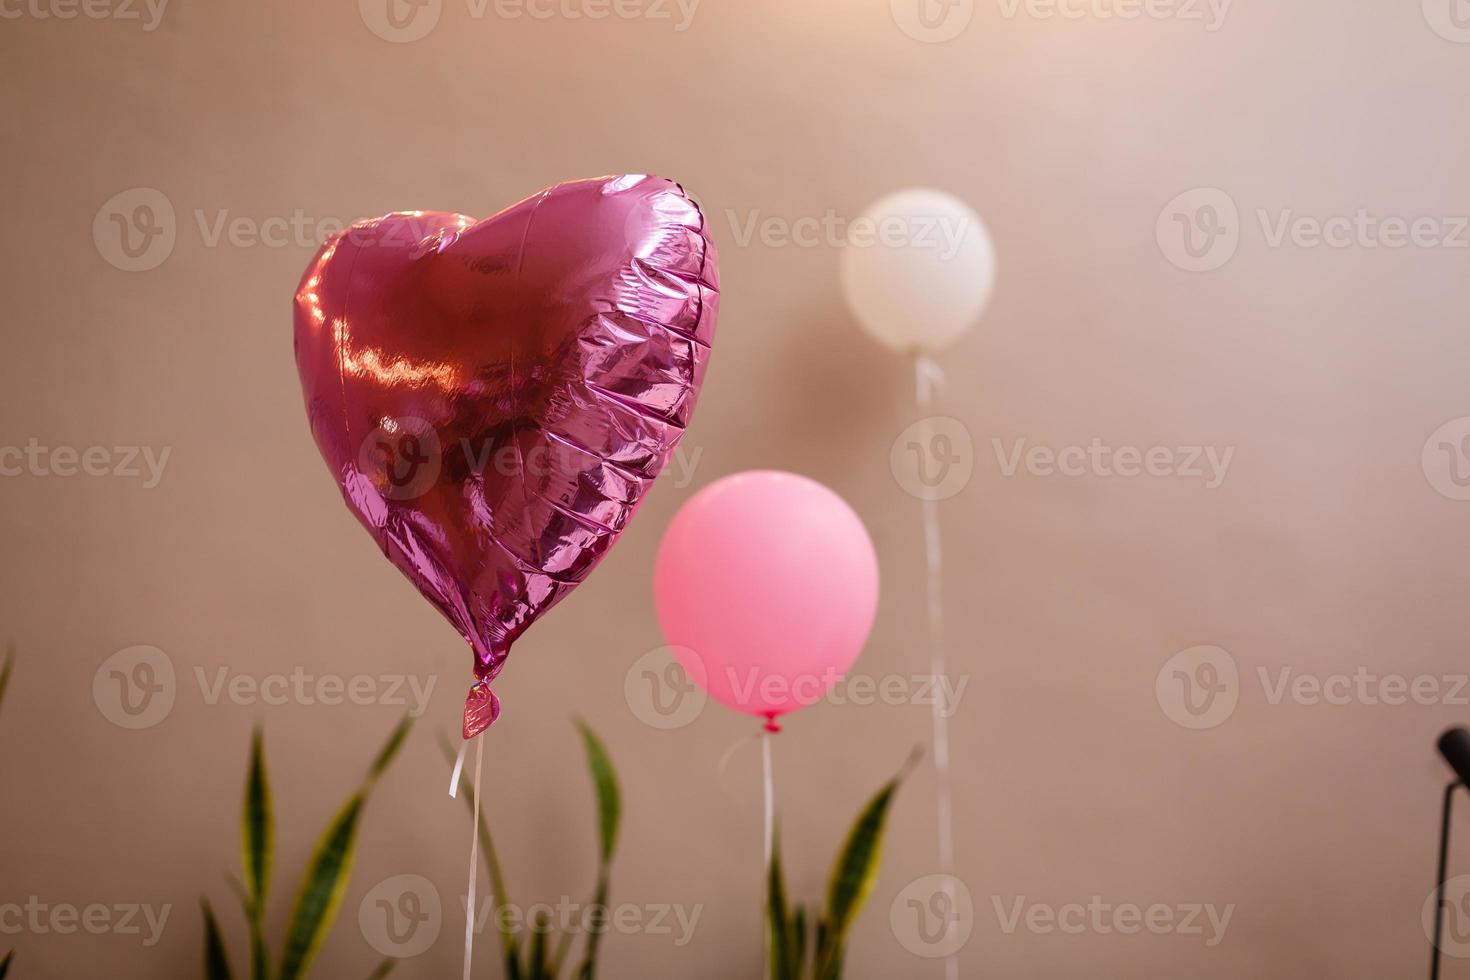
x: 321, y: 891
x: 856, y: 867
x: 609, y: 813
x: 216, y: 961
x: 778, y: 922
x: 833, y: 969
x: 609, y: 801
x: 558, y: 955
x: 588, y: 969
x: 389, y: 750
x: 330, y: 868
x: 383, y: 969
x: 239, y: 890
x: 798, y: 941
x: 853, y: 877
x: 257, y: 844
x: 509, y: 947
x: 5, y: 673
x: 536, y: 953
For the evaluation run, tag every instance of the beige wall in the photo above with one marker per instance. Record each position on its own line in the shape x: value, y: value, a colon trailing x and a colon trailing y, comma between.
x: 1327, y: 549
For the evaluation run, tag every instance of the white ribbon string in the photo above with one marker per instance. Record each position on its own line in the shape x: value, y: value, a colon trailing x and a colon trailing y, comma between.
x: 929, y: 379
x: 469, y: 914
x: 725, y: 763
x: 458, y: 768
x: 769, y: 793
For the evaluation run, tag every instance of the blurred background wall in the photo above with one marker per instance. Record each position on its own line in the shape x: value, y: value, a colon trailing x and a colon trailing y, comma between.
x: 1151, y: 175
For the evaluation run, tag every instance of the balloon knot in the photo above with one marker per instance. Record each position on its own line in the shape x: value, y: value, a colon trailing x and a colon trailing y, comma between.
x: 771, y: 724
x: 481, y: 708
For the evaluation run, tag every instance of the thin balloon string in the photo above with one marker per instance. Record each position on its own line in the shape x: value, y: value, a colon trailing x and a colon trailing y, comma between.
x: 469, y: 914
x: 927, y: 378
x: 769, y: 795
x: 458, y: 768
x: 730, y: 754
x: 768, y: 806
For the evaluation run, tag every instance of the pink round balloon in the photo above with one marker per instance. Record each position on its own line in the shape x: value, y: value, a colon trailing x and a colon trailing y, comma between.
x: 766, y: 585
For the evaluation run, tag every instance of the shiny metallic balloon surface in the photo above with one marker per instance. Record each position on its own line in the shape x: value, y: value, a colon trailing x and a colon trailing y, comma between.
x: 494, y: 398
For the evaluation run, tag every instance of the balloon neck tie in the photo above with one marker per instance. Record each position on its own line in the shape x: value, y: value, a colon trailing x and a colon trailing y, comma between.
x: 481, y: 708
x: 772, y: 726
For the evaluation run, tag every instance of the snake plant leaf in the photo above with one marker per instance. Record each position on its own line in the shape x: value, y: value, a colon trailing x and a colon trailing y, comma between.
x: 509, y: 946
x: 330, y: 868
x: 257, y: 844
x: 321, y: 891
x: 5, y: 673
x: 853, y: 877
x: 216, y: 961
x: 798, y: 941
x: 588, y: 969
x: 389, y: 750
x: 605, y: 781
x: 238, y: 888
x: 383, y: 969
x: 609, y: 812
x: 833, y: 969
x: 778, y: 921
x: 856, y: 868
x: 559, y: 955
x: 536, y: 954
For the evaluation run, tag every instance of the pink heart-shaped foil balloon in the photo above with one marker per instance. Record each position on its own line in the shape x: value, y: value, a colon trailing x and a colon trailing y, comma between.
x: 495, y: 397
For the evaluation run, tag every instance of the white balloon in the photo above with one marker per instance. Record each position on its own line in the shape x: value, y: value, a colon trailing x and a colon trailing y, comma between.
x: 918, y: 268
